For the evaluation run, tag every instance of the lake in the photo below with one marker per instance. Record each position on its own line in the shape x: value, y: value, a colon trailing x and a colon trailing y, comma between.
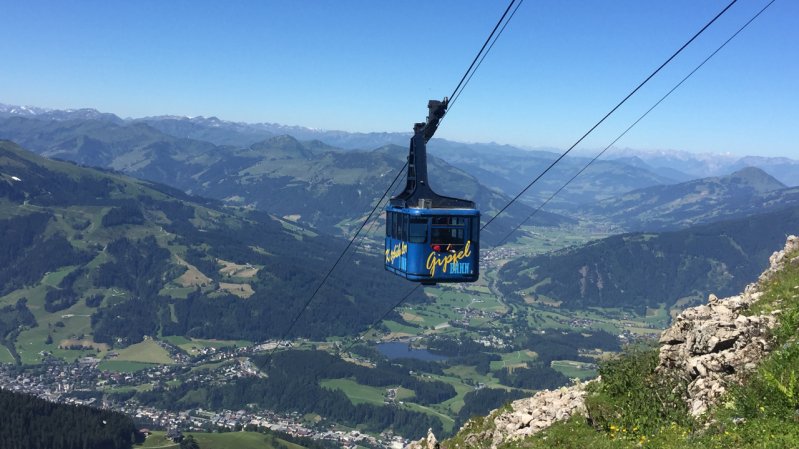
x: 400, y: 350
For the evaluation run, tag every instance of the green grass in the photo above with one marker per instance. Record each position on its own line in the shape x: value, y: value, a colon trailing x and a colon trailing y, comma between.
x: 76, y: 321
x: 513, y: 359
x: 393, y: 326
x: 193, y: 346
x: 658, y: 317
x: 147, y: 351
x: 432, y: 317
x: 176, y: 291
x: 610, y: 320
x: 551, y: 239
x: 143, y: 387
x: 446, y: 421
x: 453, y: 405
x: 575, y: 434
x: 176, y: 340
x: 357, y: 393
x: 457, y: 376
x: 572, y: 369
x: 227, y: 440
x: 467, y: 372
x: 404, y: 394
x: 211, y: 366
x: 782, y: 294
x: 5, y: 356
x: 123, y: 366
x: 53, y: 278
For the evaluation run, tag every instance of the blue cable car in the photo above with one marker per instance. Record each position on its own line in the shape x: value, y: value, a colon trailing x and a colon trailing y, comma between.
x: 431, y: 238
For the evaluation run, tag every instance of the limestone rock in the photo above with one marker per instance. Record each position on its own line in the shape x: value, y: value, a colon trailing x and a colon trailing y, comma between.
x: 714, y: 344
x: 429, y: 442
x: 532, y: 415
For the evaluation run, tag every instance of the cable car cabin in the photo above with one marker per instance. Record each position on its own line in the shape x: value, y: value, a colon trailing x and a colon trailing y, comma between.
x: 431, y: 238
x: 433, y: 245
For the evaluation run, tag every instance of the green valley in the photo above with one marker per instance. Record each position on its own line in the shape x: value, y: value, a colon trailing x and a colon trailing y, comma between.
x: 174, y: 302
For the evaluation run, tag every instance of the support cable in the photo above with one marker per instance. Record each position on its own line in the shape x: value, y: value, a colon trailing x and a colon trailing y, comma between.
x: 724, y: 44
x: 375, y: 218
x: 454, y: 92
x: 327, y: 275
x: 634, y: 123
x: 341, y: 256
x: 404, y: 298
x: 456, y: 96
x: 385, y: 315
x: 624, y: 100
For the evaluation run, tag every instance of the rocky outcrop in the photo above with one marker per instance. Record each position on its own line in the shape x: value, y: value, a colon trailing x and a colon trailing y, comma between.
x: 779, y: 259
x: 710, y: 346
x: 525, y: 417
x: 715, y: 344
x: 531, y: 415
x: 428, y: 442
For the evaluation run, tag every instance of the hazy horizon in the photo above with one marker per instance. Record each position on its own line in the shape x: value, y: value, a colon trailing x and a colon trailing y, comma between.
x: 614, y: 152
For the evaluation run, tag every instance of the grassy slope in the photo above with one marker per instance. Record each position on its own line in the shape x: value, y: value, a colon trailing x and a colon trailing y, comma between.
x: 123, y: 366
x: 761, y: 413
x: 637, y: 270
x: 357, y: 393
x: 229, y: 440
x: 148, y: 351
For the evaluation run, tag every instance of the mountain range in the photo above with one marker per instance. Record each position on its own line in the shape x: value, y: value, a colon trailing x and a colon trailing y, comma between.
x: 672, y: 165
x: 649, y: 270
x: 671, y: 207
x: 117, y: 231
x: 707, y: 165
x: 310, y: 181
x: 123, y: 259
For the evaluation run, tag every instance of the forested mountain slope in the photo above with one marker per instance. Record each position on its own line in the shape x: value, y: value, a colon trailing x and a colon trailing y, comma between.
x: 124, y: 258
x: 28, y: 422
x: 670, y: 207
x: 643, y: 270
x: 306, y: 181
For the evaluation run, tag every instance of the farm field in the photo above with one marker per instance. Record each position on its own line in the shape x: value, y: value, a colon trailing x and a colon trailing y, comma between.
x: 573, y: 369
x: 147, y: 351
x: 227, y: 440
x: 463, y: 312
x: 123, y: 366
x: 194, y: 346
x: 357, y: 393
x: 66, y: 328
x: 513, y: 360
x: 5, y: 356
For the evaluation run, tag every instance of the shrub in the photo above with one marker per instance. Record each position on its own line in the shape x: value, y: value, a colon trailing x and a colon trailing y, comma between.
x: 632, y: 398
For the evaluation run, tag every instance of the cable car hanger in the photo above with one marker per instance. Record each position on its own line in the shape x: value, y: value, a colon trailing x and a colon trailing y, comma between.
x: 430, y: 238
x: 417, y: 192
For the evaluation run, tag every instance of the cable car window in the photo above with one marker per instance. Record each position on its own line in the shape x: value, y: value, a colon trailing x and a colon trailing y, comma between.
x: 418, y: 230
x: 447, y: 236
x: 389, y: 219
x: 395, y: 225
x: 448, y: 221
x: 404, y: 228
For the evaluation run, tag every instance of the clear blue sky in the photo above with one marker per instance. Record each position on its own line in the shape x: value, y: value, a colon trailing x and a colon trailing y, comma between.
x: 372, y: 65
